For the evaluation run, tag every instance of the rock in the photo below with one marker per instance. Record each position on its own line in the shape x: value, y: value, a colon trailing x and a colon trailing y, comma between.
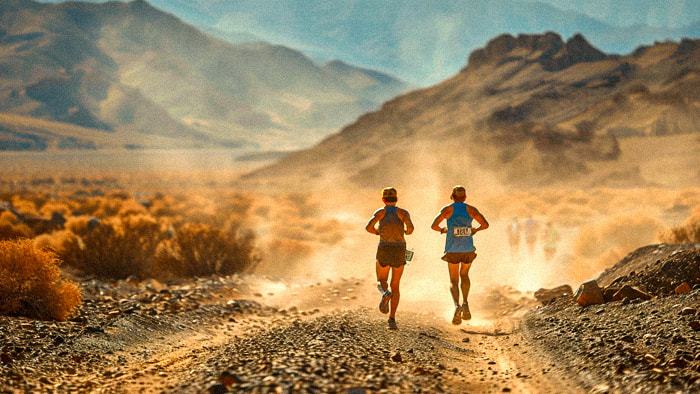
x: 689, y: 311
x: 695, y: 325
x: 678, y: 363
x: 649, y: 358
x: 630, y: 293
x: 217, y: 388
x: 627, y: 338
x: 589, y: 294
x: 683, y: 288
x: 228, y: 378
x: 547, y: 295
x: 609, y: 292
x: 397, y: 357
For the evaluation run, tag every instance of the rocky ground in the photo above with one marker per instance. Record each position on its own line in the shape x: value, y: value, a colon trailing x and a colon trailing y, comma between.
x: 225, y: 335
x: 650, y: 346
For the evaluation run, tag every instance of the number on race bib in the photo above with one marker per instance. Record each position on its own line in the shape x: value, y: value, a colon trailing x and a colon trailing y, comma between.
x: 462, y: 231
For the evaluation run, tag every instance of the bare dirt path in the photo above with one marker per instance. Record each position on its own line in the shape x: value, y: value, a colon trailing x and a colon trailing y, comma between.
x: 319, y: 346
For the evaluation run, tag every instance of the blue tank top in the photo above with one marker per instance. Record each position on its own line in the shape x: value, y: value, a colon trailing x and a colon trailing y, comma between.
x: 457, y: 241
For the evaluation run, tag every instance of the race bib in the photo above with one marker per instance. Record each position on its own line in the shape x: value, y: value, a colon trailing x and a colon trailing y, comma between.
x: 462, y: 231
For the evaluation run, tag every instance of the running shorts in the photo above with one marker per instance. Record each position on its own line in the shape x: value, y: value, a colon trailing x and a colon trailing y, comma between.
x: 456, y: 258
x: 391, y: 255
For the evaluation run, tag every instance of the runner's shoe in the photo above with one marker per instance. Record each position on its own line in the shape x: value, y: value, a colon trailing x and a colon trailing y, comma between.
x: 457, y: 318
x: 392, y: 324
x: 384, y: 303
x: 466, y: 315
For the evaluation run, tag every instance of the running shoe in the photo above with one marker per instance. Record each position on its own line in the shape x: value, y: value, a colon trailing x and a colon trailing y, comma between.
x: 384, y: 303
x: 457, y: 318
x: 466, y: 315
x: 392, y: 324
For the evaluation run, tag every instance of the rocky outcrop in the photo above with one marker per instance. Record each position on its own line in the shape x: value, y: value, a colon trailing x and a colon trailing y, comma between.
x: 548, y: 49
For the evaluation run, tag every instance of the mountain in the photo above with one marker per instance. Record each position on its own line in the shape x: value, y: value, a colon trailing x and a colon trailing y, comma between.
x: 426, y: 42
x: 527, y: 110
x: 129, y: 75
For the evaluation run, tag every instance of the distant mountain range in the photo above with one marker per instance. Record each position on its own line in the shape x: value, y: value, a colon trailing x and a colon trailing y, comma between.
x: 127, y: 75
x: 527, y: 110
x: 426, y: 42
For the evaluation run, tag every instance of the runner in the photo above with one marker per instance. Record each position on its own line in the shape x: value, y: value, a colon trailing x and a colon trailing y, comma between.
x: 514, y: 237
x: 550, y: 239
x: 531, y: 230
x: 394, y: 222
x: 459, y: 246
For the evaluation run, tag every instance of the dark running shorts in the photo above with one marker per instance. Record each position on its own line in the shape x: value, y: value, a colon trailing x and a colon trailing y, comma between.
x: 391, y: 255
x: 456, y: 258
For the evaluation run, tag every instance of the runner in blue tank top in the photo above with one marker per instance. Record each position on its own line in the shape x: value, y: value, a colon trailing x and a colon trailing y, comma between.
x: 459, y: 246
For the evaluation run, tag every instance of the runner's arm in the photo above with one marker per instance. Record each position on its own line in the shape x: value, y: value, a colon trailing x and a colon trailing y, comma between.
x: 445, y: 213
x: 476, y: 215
x: 406, y: 219
x: 373, y: 221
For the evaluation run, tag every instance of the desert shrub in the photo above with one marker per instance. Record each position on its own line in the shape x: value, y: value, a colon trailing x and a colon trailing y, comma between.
x: 688, y: 232
x: 11, y: 230
x: 24, y: 206
x: 116, y: 249
x: 31, y: 284
x: 201, y: 250
x: 131, y: 207
x: 55, y: 241
x: 52, y: 206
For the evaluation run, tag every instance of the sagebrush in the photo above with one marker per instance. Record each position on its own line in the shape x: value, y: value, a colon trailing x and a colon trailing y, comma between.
x: 31, y: 283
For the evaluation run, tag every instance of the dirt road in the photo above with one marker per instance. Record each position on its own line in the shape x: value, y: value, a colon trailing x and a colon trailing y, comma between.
x: 203, y: 337
x: 315, y: 346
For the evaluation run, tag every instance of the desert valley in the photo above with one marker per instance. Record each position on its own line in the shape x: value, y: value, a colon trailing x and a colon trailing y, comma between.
x: 179, y: 213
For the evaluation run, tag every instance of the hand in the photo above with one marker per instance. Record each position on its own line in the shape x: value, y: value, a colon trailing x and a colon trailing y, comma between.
x: 443, y: 230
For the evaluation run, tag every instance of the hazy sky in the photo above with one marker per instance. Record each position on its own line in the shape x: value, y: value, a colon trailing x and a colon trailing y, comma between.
x: 655, y: 13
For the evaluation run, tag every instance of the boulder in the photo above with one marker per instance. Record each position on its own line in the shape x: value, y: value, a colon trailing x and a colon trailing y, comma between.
x: 589, y: 293
x: 609, y: 292
x: 631, y: 293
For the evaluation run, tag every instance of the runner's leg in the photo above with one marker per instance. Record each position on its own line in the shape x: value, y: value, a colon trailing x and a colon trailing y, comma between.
x: 454, y: 281
x: 466, y: 283
x: 396, y: 273
x: 383, y: 276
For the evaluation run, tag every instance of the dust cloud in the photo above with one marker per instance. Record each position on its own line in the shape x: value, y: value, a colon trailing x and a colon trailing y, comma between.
x: 319, y: 237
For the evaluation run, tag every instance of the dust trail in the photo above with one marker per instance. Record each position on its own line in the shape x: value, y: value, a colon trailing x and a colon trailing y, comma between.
x: 322, y: 237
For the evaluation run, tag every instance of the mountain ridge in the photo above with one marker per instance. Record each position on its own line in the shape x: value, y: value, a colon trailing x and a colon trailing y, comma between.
x: 550, y: 113
x: 419, y: 43
x: 129, y: 69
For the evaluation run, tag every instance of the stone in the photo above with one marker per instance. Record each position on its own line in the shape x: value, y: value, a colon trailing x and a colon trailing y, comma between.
x: 688, y: 311
x: 649, y: 358
x: 397, y: 357
x: 609, y: 292
x: 217, y: 388
x: 589, y: 293
x: 630, y: 293
x: 683, y: 288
